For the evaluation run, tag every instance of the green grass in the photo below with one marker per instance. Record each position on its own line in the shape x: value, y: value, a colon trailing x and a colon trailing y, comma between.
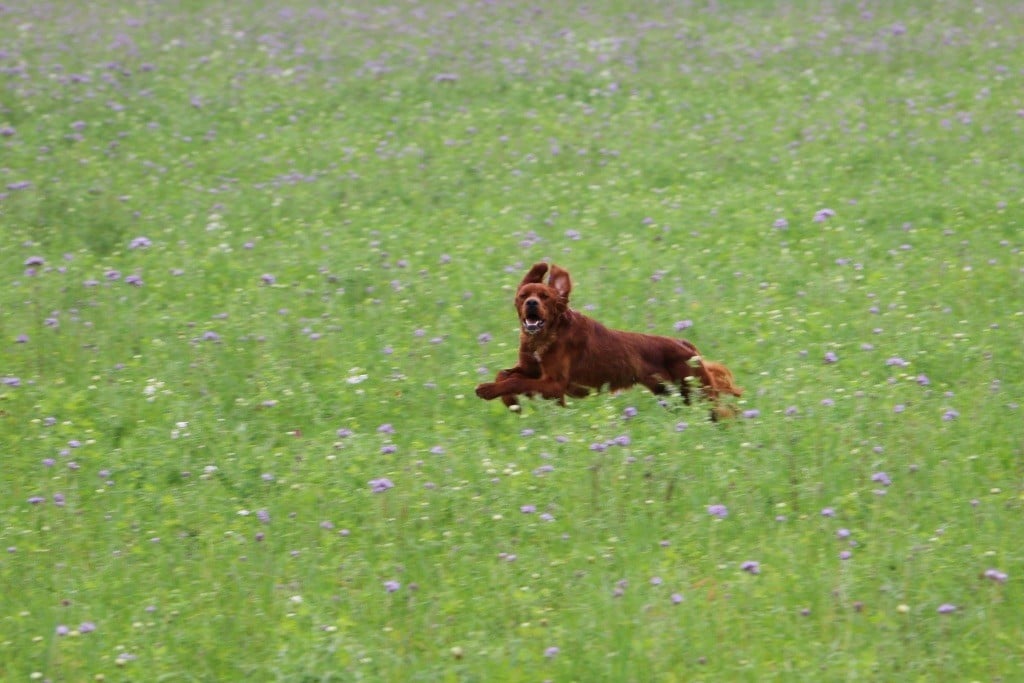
x: 339, y: 203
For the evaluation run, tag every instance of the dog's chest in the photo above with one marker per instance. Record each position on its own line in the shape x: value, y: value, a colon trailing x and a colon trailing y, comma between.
x: 538, y: 352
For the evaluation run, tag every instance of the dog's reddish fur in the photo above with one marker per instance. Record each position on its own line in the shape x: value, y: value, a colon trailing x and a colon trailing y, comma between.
x: 565, y: 353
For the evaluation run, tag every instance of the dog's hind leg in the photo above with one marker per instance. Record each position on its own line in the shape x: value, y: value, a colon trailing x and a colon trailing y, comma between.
x: 655, y: 384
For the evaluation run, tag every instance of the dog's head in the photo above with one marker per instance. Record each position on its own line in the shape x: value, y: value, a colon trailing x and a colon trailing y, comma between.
x: 540, y: 305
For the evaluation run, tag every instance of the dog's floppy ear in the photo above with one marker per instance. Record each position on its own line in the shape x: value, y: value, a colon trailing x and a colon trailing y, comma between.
x: 535, y: 274
x: 560, y: 281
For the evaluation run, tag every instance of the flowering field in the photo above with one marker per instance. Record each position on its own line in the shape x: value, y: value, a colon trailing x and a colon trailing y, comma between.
x: 256, y: 256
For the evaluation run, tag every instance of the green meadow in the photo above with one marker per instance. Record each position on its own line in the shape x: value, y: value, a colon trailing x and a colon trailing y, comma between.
x: 255, y: 257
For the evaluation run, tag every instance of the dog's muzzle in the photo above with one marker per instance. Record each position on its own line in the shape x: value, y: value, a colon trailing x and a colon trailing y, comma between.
x: 532, y: 325
x: 532, y: 322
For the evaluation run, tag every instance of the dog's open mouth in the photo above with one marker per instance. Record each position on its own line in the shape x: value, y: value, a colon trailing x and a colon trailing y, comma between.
x: 532, y: 325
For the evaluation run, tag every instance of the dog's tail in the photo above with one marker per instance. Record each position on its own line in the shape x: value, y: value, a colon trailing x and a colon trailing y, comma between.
x: 719, y: 378
x: 722, y: 381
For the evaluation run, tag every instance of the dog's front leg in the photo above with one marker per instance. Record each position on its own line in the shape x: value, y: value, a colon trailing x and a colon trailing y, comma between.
x: 528, y: 367
x: 518, y: 384
x: 515, y: 385
x: 551, y: 382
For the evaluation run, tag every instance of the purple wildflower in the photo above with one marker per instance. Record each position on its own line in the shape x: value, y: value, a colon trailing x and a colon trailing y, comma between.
x: 140, y: 243
x: 551, y: 652
x: 386, y: 428
x: 845, y: 555
x: 842, y: 533
x: 677, y: 598
x: 882, y: 478
x: 923, y: 380
x: 86, y: 627
x: 751, y: 567
x: 388, y: 449
x: 682, y: 325
x: 823, y: 215
x: 831, y: 357
x: 828, y: 512
x: 527, y: 509
x: 752, y: 413
x: 263, y: 516
x: 62, y: 630
x: 780, y: 224
x: 268, y: 279
x: 381, y: 485
x: 718, y: 510
x: 950, y: 415
x: 946, y: 608
x: 133, y: 280
x: 34, y: 261
x: 391, y: 586
x: 629, y: 412
x: 36, y: 500
x: 995, y: 575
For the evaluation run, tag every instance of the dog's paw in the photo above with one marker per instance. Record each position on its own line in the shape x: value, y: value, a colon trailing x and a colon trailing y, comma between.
x: 487, y: 390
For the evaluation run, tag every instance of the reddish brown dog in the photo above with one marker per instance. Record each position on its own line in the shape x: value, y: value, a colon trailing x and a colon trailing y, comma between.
x: 565, y: 353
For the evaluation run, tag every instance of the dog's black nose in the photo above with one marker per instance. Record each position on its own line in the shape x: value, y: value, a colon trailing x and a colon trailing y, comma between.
x: 532, y: 305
